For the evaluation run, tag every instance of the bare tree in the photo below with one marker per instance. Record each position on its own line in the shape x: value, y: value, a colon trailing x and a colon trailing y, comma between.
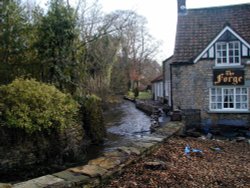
x: 100, y: 41
x: 101, y: 44
x: 137, y: 46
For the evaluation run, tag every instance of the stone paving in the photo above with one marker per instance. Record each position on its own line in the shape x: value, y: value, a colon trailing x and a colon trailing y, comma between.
x: 103, y: 168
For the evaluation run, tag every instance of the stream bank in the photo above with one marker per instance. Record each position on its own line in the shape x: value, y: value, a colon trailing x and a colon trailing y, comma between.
x: 123, y: 122
x: 127, y: 141
x: 111, y: 163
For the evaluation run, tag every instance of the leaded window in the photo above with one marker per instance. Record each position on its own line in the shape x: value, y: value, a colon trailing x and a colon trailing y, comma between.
x: 227, y: 53
x: 229, y: 98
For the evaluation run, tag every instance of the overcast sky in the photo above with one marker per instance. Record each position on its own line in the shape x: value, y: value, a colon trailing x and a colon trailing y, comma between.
x: 161, y: 16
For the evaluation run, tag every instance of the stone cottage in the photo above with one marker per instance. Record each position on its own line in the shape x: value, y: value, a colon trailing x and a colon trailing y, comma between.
x: 161, y: 87
x: 167, y: 92
x: 157, y: 88
x: 210, y: 67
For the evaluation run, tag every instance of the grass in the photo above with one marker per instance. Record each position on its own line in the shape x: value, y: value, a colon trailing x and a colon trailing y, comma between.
x: 143, y: 95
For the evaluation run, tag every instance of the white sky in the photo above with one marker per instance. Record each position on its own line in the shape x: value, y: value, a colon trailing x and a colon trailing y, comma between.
x: 161, y: 16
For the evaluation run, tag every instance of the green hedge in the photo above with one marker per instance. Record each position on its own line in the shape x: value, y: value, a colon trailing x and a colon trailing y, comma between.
x: 35, y: 106
x: 92, y: 118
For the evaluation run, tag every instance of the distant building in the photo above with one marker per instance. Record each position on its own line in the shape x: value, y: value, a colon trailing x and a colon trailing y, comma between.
x: 161, y: 87
x: 157, y: 88
x: 210, y: 67
x: 167, y: 80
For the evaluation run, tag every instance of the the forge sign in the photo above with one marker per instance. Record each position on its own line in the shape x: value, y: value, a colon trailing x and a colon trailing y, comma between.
x: 228, y: 77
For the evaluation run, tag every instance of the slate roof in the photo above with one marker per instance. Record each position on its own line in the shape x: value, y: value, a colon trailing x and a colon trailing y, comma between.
x: 197, y: 28
x: 157, y: 79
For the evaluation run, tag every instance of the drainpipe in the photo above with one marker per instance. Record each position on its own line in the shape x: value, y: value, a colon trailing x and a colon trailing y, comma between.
x: 164, y: 79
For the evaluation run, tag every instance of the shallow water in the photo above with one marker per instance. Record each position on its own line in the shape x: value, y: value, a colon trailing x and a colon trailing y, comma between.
x: 130, y: 120
x: 125, y: 124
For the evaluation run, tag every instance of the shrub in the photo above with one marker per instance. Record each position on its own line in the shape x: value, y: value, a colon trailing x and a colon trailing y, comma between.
x: 136, y: 92
x: 93, y: 118
x: 35, y: 106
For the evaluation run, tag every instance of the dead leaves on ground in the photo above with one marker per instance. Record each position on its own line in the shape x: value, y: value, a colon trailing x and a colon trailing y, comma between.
x: 226, y: 166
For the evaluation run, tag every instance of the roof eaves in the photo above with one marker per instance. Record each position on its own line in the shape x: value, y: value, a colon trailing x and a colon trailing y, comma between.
x: 218, y: 7
x: 182, y: 63
x: 227, y: 28
x: 168, y: 58
x: 157, y: 79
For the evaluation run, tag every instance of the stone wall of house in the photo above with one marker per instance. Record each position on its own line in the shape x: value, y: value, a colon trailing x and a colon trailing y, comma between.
x: 167, y: 81
x: 190, y: 85
x: 20, y: 151
x: 191, y: 118
x: 233, y: 119
x: 166, y: 69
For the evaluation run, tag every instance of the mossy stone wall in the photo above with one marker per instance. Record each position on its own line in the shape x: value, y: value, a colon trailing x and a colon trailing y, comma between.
x: 20, y: 152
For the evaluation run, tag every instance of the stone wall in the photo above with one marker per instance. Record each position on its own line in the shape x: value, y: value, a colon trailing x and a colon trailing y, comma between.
x: 190, y: 86
x: 112, y: 163
x: 145, y: 106
x: 233, y: 119
x: 167, y: 80
x: 191, y: 118
x: 20, y: 152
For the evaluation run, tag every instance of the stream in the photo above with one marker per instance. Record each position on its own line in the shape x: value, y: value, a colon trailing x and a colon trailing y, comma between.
x: 124, y: 123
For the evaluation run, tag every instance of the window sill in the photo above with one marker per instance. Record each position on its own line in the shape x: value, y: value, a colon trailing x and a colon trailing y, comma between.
x: 228, y: 112
x: 228, y: 67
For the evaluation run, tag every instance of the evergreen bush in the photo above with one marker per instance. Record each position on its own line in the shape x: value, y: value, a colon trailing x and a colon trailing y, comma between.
x: 35, y: 106
x: 93, y: 118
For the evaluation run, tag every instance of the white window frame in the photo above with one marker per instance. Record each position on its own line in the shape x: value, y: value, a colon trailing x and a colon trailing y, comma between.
x: 228, y: 55
x: 228, y: 99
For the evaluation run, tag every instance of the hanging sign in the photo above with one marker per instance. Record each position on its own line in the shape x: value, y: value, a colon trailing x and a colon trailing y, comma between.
x: 228, y: 77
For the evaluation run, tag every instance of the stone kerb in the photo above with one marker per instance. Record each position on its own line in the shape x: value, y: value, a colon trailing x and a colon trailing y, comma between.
x: 100, y: 170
